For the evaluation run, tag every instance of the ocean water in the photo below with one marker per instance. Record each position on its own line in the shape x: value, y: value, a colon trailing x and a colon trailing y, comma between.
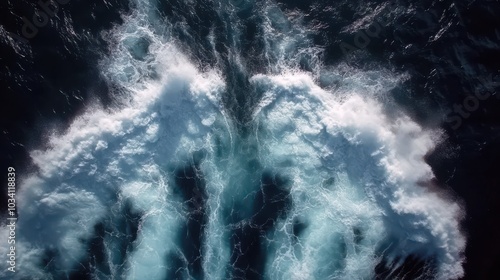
x: 238, y: 139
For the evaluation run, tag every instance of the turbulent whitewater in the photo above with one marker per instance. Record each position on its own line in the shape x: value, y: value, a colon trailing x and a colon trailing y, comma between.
x: 235, y: 166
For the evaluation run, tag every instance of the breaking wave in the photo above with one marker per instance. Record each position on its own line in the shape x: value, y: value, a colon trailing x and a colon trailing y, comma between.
x: 220, y: 164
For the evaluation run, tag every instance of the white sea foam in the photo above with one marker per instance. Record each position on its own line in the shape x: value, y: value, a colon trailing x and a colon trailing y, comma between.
x: 378, y: 170
x: 357, y: 175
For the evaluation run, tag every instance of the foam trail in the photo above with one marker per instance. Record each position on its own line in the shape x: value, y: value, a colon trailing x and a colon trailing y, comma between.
x: 108, y: 163
x: 357, y: 179
x: 238, y: 169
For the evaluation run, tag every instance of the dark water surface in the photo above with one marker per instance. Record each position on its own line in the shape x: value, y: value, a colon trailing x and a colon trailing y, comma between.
x: 258, y: 184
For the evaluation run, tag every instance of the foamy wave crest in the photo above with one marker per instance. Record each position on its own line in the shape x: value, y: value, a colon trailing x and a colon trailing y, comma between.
x: 317, y: 183
x: 359, y: 178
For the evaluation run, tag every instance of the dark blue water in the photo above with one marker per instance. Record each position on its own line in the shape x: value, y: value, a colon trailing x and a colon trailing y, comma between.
x: 253, y: 139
